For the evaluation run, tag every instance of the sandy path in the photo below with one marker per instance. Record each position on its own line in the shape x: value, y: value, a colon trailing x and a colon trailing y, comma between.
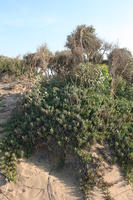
x: 38, y: 181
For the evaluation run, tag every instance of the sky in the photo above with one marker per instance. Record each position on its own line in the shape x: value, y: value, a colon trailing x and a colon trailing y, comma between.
x: 27, y: 24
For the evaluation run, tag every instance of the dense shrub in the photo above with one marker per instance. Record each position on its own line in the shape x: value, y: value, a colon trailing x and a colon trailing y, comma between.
x: 38, y: 60
x: 72, y: 113
x: 119, y: 129
x: 124, y: 89
x: 61, y: 62
x: 10, y: 66
x: 27, y: 65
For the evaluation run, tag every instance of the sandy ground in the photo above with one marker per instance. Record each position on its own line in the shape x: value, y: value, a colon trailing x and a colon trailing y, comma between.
x: 37, y: 177
x: 38, y: 180
x: 118, y: 187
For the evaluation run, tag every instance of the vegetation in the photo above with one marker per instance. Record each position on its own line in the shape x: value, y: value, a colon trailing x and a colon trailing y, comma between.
x: 28, y: 65
x: 121, y: 65
x: 10, y: 66
x: 72, y: 109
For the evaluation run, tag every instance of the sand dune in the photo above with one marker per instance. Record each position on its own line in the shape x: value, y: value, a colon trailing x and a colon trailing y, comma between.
x: 39, y: 180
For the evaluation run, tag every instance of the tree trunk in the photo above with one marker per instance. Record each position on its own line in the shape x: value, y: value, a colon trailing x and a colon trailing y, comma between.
x: 112, y: 91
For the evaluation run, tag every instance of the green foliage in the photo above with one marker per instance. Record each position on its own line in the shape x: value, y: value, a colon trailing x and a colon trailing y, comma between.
x: 119, y: 129
x: 72, y: 113
x: 10, y: 66
x: 124, y: 89
x: 8, y: 165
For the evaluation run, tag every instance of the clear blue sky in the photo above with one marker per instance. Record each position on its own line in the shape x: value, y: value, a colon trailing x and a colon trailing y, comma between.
x: 26, y: 24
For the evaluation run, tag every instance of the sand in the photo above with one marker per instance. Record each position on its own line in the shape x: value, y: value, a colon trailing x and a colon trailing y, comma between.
x: 38, y: 180
x: 118, y: 187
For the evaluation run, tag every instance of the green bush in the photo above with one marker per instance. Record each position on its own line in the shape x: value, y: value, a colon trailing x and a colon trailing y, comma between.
x: 10, y: 66
x: 119, y: 129
x: 72, y: 113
